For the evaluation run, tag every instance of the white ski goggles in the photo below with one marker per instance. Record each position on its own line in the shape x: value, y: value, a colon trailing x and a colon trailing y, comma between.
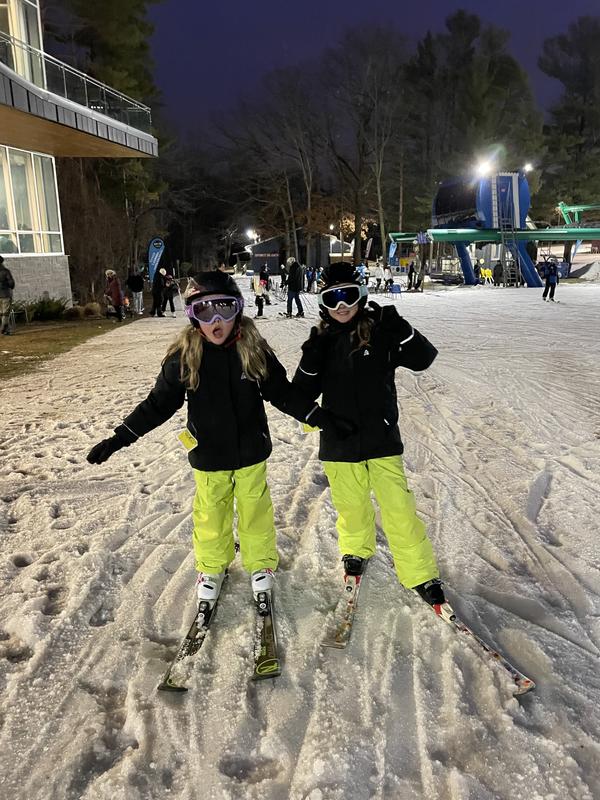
x: 346, y: 294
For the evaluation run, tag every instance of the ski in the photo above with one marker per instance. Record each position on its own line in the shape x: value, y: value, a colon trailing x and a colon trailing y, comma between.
x: 267, y: 663
x: 338, y: 634
x: 521, y: 682
x: 176, y: 676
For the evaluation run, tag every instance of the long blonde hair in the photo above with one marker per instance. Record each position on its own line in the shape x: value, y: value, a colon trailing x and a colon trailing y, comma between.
x: 361, y: 335
x: 251, y: 347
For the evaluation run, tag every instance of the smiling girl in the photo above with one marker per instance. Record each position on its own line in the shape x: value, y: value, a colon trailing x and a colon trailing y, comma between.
x: 350, y: 360
x: 225, y: 369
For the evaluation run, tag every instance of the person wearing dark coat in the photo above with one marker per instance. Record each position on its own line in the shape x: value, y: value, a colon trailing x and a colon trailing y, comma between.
x: 549, y: 271
x: 225, y: 370
x: 498, y: 273
x: 135, y: 284
x: 7, y: 284
x: 350, y: 360
x: 294, y: 287
x: 169, y: 292
x: 158, y: 287
x: 411, y: 275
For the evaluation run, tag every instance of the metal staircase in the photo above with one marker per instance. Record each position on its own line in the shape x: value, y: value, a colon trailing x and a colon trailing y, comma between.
x: 503, y: 216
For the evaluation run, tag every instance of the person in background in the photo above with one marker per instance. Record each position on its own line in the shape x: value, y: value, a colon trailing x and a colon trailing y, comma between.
x: 379, y: 276
x: 225, y: 370
x: 294, y: 287
x: 114, y: 293
x: 265, y: 280
x: 158, y: 285
x: 362, y: 392
x: 135, y: 284
x: 170, y: 290
x: 259, y: 295
x: 498, y: 273
x: 411, y: 275
x: 7, y: 284
x: 549, y: 271
x: 388, y: 278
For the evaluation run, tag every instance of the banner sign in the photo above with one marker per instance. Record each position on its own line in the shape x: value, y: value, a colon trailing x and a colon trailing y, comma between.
x: 393, y: 248
x: 155, y: 251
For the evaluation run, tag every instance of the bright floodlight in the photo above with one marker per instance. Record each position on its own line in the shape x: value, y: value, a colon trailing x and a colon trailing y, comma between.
x: 528, y: 167
x: 483, y: 168
x: 331, y: 227
x: 251, y: 234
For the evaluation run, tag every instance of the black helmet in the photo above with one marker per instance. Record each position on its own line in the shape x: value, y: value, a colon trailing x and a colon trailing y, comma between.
x: 340, y: 272
x: 214, y: 282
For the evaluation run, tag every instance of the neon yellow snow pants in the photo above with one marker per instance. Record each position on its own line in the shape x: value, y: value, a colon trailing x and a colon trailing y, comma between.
x: 351, y: 485
x: 213, y: 509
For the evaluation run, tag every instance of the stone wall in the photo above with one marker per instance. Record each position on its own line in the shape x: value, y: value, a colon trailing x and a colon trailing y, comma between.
x: 37, y: 275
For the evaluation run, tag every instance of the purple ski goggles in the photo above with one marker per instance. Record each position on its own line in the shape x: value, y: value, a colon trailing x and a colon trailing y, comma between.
x: 209, y: 310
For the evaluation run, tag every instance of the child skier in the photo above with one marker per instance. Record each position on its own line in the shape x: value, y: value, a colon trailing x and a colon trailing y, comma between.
x: 350, y: 359
x: 225, y: 369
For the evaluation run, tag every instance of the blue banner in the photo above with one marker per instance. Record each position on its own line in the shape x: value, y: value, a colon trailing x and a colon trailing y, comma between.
x: 393, y: 248
x: 155, y: 251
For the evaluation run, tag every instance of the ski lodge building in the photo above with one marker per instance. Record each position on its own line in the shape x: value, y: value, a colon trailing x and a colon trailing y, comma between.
x: 49, y: 109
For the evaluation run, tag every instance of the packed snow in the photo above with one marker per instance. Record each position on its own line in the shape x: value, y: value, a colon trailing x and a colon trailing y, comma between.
x: 502, y: 441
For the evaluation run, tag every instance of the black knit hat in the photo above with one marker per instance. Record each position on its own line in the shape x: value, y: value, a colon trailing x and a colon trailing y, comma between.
x: 214, y: 282
x: 340, y: 272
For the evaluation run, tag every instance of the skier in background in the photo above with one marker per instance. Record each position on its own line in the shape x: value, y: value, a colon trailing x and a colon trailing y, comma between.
x: 351, y: 359
x: 224, y: 368
x: 549, y: 271
x: 294, y: 287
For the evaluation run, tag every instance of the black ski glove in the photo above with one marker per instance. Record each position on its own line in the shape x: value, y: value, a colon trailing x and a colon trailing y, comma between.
x: 340, y: 427
x: 389, y: 319
x: 102, y: 451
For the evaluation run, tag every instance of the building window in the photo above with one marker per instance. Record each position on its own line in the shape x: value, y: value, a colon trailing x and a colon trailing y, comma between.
x: 20, y: 19
x: 29, y: 210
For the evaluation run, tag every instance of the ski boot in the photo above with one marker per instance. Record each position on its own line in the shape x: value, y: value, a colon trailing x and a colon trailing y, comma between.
x: 431, y: 591
x: 354, y: 565
x: 262, y: 584
x: 208, y: 586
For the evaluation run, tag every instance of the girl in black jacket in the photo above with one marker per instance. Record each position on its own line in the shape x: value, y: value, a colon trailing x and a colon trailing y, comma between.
x: 351, y: 360
x: 225, y: 369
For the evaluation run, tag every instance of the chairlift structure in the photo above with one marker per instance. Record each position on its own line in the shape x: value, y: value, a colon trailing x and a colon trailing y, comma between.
x: 493, y: 210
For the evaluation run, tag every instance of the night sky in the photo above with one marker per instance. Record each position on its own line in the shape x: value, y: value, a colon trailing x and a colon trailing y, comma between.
x: 209, y: 53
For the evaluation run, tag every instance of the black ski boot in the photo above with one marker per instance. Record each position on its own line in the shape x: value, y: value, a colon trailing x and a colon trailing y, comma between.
x: 431, y: 592
x: 354, y: 565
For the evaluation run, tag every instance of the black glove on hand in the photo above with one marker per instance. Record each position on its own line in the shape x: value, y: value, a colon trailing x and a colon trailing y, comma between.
x: 102, y: 451
x: 389, y: 319
x: 340, y: 427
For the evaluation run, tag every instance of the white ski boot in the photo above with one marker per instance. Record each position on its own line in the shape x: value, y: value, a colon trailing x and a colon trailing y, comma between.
x: 262, y: 581
x: 209, y: 586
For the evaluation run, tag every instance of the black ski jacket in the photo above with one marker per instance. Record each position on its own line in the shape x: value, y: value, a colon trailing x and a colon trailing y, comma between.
x: 358, y: 382
x: 226, y: 412
x: 294, y: 281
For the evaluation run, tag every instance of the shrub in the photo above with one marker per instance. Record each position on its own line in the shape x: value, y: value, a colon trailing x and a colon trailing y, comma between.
x: 75, y: 312
x: 47, y: 308
x: 92, y: 310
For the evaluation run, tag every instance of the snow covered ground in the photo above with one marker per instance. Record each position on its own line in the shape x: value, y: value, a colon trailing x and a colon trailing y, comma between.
x: 503, y: 452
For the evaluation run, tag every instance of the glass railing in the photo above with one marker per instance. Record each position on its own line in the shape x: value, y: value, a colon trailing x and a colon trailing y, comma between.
x: 51, y: 74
